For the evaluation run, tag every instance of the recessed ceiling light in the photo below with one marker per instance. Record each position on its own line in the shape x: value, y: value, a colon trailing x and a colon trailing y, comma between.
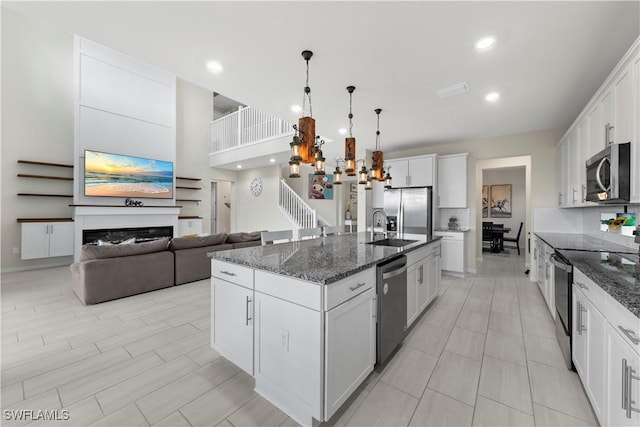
x: 342, y: 131
x: 215, y: 67
x: 296, y: 109
x: 485, y: 43
x: 492, y: 97
x: 272, y: 160
x: 239, y: 166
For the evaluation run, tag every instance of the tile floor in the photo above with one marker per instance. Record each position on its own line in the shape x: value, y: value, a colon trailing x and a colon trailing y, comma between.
x: 483, y: 354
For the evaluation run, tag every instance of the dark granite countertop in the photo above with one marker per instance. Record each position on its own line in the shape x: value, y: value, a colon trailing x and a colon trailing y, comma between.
x: 618, y: 274
x: 323, y: 260
x: 582, y: 242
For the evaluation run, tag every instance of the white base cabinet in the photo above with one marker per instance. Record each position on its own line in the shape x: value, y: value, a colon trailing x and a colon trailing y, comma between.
x: 623, y: 375
x: 423, y: 279
x: 454, y: 251
x: 46, y: 239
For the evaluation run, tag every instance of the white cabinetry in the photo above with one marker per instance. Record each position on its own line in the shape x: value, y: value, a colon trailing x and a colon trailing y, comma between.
x: 545, y: 272
x: 189, y: 226
x: 452, y: 181
x: 623, y: 382
x: 612, y: 116
x: 412, y: 171
x: 453, y: 251
x: 350, y: 348
x: 588, y: 335
x: 46, y: 239
x: 232, y: 313
x: 423, y: 279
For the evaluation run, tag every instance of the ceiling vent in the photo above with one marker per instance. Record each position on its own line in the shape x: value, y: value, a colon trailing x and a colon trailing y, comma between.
x: 456, y: 89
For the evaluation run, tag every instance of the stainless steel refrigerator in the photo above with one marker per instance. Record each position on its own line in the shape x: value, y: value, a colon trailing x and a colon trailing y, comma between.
x: 409, y: 210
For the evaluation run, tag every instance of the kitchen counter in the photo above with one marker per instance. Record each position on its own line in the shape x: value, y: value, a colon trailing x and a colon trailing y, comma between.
x: 618, y: 274
x: 582, y: 242
x: 458, y: 230
x: 323, y: 260
x: 613, y: 267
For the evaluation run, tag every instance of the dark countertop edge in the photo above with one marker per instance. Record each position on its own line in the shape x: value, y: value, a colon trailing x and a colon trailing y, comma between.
x: 622, y: 250
x: 446, y: 230
x: 596, y: 278
x: 337, y: 277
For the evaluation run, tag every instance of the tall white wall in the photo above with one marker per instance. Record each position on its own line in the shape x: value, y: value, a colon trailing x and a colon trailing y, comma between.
x: 249, y: 213
x: 37, y: 124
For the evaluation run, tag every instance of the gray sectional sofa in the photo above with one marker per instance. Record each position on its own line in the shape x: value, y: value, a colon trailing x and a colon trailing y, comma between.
x: 108, y: 272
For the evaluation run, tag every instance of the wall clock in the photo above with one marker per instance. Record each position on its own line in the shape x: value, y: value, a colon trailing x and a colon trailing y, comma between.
x: 256, y: 187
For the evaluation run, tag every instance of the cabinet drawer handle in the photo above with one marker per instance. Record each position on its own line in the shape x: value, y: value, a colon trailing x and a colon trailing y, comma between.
x: 358, y: 286
x: 630, y: 333
x: 582, y: 310
x: 627, y: 387
x: 582, y: 286
x: 579, y: 325
x: 227, y: 273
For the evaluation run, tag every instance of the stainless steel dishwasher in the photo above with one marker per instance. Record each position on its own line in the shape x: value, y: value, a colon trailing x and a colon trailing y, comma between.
x: 392, y: 306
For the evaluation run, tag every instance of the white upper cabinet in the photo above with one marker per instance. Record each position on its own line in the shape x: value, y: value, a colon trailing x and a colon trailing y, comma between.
x: 413, y: 171
x: 612, y: 116
x: 452, y: 181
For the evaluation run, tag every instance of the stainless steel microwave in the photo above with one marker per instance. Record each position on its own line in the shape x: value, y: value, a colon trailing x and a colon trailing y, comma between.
x: 608, y: 174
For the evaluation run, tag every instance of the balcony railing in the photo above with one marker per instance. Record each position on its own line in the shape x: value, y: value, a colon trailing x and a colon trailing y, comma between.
x: 246, y: 126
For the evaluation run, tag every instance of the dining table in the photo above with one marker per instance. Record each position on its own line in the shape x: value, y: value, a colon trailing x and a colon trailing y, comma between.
x: 498, y: 231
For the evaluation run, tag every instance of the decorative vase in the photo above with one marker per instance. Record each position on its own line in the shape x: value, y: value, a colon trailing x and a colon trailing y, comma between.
x: 347, y: 214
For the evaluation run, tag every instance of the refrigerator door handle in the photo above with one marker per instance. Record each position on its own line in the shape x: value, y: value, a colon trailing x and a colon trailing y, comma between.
x: 401, y: 216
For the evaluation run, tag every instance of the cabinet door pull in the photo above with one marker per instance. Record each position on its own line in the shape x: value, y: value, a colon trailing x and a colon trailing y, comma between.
x: 582, y: 286
x: 584, y: 193
x: 357, y: 286
x: 227, y: 273
x: 579, y: 323
x: 51, y: 229
x: 627, y: 387
x: 581, y: 326
x: 420, y: 274
x: 247, y: 317
x: 575, y: 192
x: 630, y: 333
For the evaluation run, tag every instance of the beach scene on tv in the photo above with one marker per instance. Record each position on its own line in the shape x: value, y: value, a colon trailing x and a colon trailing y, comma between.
x: 115, y: 175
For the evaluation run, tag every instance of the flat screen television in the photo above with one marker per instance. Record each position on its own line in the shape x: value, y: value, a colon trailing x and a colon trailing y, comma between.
x: 117, y: 175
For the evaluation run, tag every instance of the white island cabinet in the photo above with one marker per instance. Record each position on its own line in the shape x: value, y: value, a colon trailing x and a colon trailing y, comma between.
x: 308, y: 345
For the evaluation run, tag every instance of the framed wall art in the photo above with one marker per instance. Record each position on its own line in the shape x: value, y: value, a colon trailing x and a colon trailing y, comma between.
x: 501, y: 201
x: 485, y: 201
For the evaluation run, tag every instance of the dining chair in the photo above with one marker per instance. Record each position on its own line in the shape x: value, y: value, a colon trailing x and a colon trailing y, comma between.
x: 336, y: 229
x: 271, y: 237
x: 309, y: 233
x: 498, y: 235
x: 487, y: 233
x: 515, y: 240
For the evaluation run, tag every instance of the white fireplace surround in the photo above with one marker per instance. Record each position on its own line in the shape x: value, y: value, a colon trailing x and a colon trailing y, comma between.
x: 106, y: 217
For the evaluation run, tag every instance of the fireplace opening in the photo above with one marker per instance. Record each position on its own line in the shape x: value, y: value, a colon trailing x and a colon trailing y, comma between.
x: 118, y: 235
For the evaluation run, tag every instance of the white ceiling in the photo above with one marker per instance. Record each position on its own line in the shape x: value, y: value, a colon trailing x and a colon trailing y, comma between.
x: 549, y: 60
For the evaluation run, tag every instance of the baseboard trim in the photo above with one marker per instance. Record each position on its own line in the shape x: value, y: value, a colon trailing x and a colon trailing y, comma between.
x: 34, y: 267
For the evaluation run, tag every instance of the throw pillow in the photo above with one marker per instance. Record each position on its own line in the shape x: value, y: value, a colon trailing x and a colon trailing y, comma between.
x: 196, y: 242
x: 90, y: 252
x: 128, y: 241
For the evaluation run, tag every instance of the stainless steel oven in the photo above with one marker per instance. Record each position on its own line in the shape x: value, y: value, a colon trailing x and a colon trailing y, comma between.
x: 563, y: 282
x: 608, y: 174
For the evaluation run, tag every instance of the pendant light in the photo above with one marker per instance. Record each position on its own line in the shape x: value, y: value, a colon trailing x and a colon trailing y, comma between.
x: 303, y: 145
x: 337, y: 174
x: 363, y: 175
x: 318, y: 159
x: 350, y: 142
x: 377, y: 157
x: 387, y: 178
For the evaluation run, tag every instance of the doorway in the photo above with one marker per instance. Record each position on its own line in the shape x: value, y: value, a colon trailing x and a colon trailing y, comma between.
x: 220, y: 207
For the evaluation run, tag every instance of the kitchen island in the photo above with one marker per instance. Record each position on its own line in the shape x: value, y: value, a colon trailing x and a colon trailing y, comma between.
x: 300, y: 317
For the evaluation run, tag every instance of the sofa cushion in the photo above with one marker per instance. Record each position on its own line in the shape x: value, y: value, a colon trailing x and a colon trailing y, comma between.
x: 243, y: 237
x: 90, y: 252
x: 196, y: 242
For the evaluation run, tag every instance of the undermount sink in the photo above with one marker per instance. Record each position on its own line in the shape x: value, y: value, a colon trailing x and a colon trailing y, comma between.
x: 396, y: 243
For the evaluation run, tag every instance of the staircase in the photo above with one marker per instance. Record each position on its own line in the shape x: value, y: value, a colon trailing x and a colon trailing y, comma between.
x: 297, y: 210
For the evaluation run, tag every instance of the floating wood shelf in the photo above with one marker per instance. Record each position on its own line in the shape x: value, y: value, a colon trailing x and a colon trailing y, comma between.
x: 59, y: 165
x: 188, y: 179
x: 189, y: 217
x: 45, y: 219
x: 45, y: 195
x: 27, y: 175
x: 188, y: 200
x: 188, y: 188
